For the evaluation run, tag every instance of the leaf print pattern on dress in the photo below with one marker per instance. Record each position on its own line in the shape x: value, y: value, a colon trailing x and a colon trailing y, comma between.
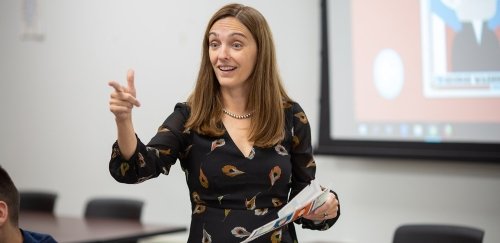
x: 141, y: 161
x: 199, y: 208
x: 164, y: 170
x: 196, y: 198
x: 226, y: 213
x: 156, y: 151
x: 231, y: 171
x: 295, y: 141
x: 222, y: 192
x: 276, y: 236
x: 275, y: 174
x: 115, y: 152
x: 217, y: 143
x: 165, y: 152
x: 207, y: 238
x: 311, y: 163
x: 203, y: 179
x: 163, y: 129
x: 124, y: 166
x: 276, y: 202
x: 250, y: 204
x: 240, y: 232
x: 281, y: 150
x: 261, y: 211
x: 186, y: 152
x: 220, y: 198
x: 145, y: 178
x: 302, y: 117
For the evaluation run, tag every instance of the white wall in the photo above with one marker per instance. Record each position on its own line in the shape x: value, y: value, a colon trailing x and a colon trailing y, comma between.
x: 56, y: 131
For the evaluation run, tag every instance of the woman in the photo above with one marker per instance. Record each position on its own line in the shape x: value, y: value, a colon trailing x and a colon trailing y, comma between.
x: 243, y: 144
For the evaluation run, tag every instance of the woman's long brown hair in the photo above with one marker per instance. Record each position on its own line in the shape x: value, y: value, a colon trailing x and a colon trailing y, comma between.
x: 266, y: 96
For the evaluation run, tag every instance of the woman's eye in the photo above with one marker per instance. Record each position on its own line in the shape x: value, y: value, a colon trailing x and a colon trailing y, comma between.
x: 213, y: 44
x: 237, y: 45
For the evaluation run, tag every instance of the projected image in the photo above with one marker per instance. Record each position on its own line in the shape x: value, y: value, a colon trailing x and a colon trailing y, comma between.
x: 412, y: 78
x: 461, y: 48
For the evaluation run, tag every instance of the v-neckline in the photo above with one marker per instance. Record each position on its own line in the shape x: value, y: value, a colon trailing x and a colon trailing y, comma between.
x: 242, y: 153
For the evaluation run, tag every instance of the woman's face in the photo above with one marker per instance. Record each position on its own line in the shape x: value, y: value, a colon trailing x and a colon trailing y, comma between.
x: 233, y: 52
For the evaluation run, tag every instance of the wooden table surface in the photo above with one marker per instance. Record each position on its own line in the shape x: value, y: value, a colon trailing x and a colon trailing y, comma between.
x: 79, y: 229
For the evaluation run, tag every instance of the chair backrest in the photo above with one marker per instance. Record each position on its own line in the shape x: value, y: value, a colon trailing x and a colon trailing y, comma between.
x: 41, y: 201
x: 120, y: 208
x: 436, y: 233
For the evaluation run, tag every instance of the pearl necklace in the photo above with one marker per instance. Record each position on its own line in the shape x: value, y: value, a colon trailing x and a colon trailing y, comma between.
x: 237, y: 116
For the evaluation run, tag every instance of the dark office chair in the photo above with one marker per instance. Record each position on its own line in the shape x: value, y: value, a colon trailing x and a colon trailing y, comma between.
x: 120, y: 208
x: 434, y: 233
x: 117, y: 208
x: 40, y: 201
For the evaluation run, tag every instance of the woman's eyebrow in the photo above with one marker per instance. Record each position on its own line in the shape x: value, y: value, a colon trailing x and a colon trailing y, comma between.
x: 232, y: 34
x: 239, y: 34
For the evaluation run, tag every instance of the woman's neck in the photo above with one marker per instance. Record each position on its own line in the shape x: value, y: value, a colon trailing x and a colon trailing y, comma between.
x: 235, y: 100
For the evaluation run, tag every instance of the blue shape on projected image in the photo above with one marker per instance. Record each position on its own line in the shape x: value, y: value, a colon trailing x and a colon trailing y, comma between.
x: 461, y: 48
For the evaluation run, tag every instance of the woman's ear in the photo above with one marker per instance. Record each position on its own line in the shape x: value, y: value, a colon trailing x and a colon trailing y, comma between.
x: 4, y: 213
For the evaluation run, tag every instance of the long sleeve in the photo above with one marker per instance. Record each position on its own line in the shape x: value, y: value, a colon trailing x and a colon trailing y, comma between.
x: 303, y: 164
x: 155, y: 158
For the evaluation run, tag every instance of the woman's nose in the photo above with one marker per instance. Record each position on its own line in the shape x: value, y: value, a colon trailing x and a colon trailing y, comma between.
x: 224, y: 52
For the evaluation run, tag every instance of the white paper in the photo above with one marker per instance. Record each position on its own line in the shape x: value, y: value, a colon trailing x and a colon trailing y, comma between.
x: 310, y: 198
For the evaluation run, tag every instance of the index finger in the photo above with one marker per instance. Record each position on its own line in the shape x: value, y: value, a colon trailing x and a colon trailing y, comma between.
x: 130, y: 79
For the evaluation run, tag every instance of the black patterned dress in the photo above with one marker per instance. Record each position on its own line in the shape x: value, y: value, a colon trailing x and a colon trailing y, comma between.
x: 231, y: 194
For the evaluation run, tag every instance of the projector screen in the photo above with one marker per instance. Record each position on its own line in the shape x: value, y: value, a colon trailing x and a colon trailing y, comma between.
x: 416, y: 78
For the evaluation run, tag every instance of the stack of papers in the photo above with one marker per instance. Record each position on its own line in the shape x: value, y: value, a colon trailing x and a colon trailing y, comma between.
x: 309, y: 199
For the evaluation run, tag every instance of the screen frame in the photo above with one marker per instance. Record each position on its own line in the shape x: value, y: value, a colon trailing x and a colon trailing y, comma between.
x: 463, y: 151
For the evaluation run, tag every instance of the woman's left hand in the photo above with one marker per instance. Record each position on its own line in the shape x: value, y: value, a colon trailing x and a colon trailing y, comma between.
x: 328, y: 210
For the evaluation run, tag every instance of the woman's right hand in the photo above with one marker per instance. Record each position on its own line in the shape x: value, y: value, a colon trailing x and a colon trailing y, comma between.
x: 123, y: 99
x: 121, y: 103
